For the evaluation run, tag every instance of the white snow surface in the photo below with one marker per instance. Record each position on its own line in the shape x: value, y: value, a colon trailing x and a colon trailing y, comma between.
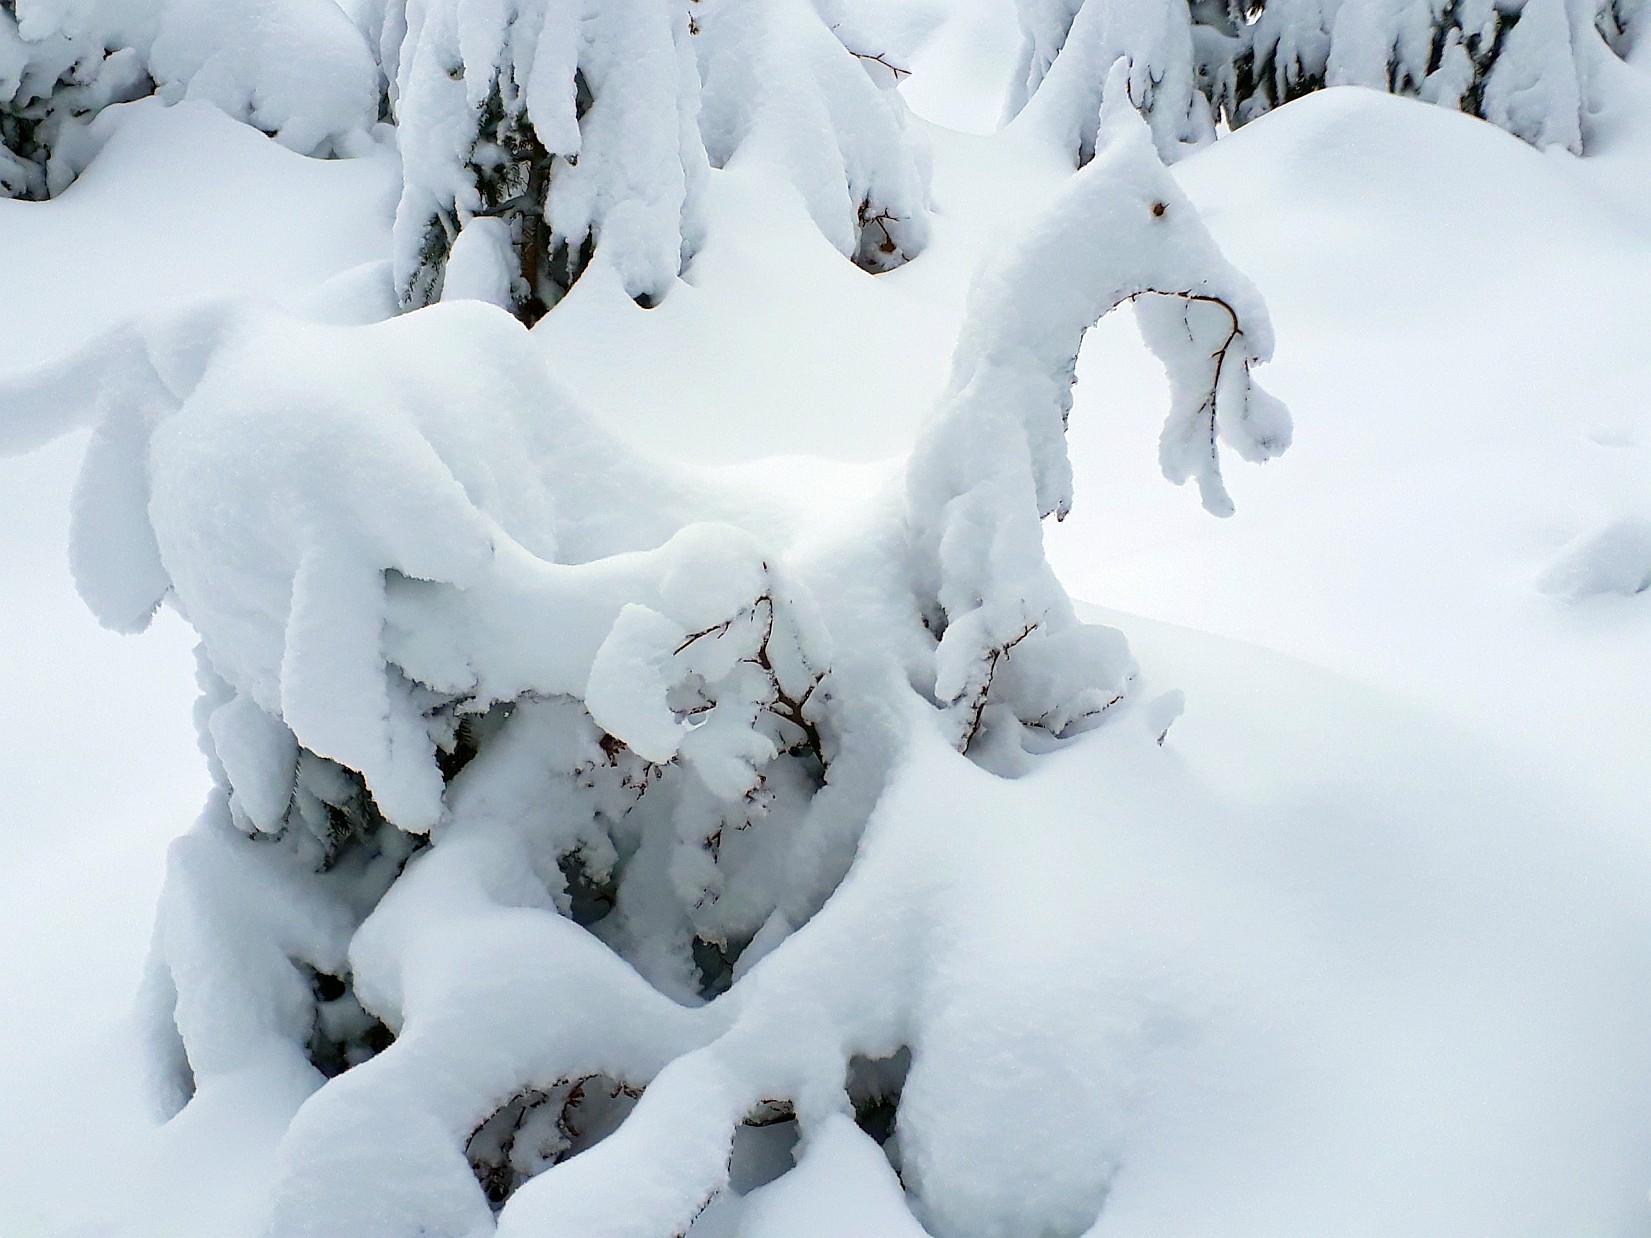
x: 1362, y: 948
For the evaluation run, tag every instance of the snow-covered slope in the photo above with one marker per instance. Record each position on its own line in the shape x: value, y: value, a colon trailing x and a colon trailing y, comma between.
x: 1463, y: 334
x: 1373, y: 922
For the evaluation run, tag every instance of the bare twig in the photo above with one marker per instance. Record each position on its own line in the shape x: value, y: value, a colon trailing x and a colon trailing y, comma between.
x: 882, y: 59
x: 1207, y: 406
x: 983, y: 695
x: 771, y: 1112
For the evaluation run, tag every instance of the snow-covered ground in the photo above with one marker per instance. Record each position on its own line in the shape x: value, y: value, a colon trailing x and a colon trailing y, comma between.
x: 1395, y: 857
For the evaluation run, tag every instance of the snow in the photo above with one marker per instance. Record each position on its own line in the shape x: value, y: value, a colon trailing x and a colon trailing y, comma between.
x: 1361, y: 948
x: 181, y: 204
x: 1617, y: 559
x: 1442, y: 489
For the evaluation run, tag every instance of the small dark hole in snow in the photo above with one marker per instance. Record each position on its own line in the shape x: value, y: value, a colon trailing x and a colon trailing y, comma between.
x: 765, y: 1146
x: 541, y: 1127
x: 591, y: 895
x: 344, y: 1034
x: 874, y: 1086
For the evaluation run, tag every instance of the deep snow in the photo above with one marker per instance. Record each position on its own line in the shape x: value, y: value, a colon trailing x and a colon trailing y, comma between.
x: 1387, y: 875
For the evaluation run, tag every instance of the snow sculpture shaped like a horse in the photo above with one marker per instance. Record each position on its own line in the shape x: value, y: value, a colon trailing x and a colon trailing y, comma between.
x: 573, y: 839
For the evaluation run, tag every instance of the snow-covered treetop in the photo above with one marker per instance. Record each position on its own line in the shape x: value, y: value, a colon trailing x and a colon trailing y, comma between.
x: 993, y: 462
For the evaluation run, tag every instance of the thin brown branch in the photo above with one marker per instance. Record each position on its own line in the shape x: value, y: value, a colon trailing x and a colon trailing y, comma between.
x: 983, y: 695
x: 771, y: 1112
x: 882, y: 59
x: 1206, y: 407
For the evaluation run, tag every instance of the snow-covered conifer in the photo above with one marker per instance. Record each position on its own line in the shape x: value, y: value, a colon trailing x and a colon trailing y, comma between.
x: 585, y: 130
x: 297, y: 69
x: 1525, y: 66
x: 805, y: 87
x: 53, y: 78
x: 1068, y: 51
x: 571, y: 850
x: 572, y: 123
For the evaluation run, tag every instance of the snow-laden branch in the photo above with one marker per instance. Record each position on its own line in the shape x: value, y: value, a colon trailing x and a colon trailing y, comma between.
x: 799, y: 95
x: 993, y: 462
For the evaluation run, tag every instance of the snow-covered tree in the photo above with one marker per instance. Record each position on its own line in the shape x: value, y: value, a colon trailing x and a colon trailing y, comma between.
x: 573, y: 848
x: 1526, y: 66
x: 1069, y: 48
x: 535, y: 133
x: 51, y: 82
x: 1522, y: 67
x: 297, y: 69
x: 540, y: 136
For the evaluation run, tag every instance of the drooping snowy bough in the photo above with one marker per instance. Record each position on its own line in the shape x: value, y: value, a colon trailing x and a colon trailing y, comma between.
x: 802, y: 87
x: 1527, y: 66
x: 579, y: 854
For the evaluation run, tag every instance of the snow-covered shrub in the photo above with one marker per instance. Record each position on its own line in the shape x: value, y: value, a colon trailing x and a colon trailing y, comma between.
x: 51, y: 83
x: 1524, y: 65
x: 540, y: 136
x: 581, y: 837
x: 297, y: 69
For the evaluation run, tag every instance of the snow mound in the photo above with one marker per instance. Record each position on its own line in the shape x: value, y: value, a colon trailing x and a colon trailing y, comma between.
x: 1616, y: 559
